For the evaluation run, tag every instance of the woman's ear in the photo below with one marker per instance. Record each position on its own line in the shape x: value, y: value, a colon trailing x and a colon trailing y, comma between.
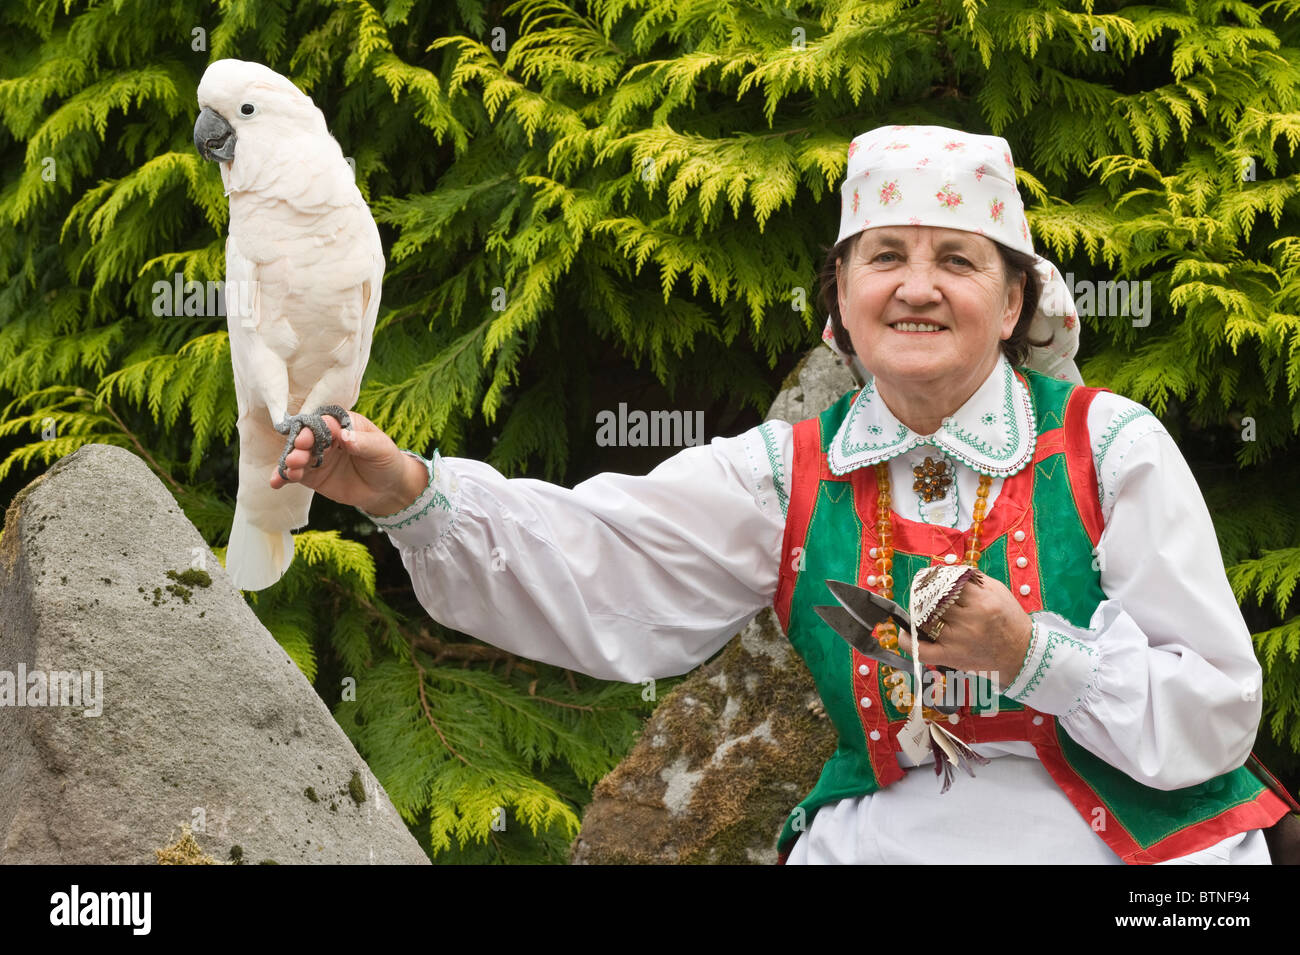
x: 840, y: 292
x: 1015, y: 301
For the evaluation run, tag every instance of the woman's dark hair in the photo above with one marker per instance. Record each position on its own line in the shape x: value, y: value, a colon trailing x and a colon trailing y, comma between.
x: 1014, y: 265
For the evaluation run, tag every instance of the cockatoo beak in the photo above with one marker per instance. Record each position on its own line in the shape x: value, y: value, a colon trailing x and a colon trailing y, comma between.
x: 213, y: 136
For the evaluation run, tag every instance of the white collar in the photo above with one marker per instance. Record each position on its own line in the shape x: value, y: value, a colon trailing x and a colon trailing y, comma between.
x: 993, y: 432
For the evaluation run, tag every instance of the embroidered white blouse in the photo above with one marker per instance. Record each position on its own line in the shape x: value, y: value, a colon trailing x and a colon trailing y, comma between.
x: 631, y: 577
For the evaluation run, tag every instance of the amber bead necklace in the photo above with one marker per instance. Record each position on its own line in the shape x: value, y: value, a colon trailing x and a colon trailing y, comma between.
x: 887, y: 633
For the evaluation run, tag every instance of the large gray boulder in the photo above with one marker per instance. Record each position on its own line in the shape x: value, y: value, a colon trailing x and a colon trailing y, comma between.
x: 733, y: 748
x: 201, y: 720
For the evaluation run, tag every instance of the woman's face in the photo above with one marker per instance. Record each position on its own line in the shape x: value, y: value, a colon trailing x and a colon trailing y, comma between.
x: 949, y: 282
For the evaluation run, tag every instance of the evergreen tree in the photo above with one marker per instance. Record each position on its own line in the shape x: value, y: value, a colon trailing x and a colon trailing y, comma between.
x: 583, y: 199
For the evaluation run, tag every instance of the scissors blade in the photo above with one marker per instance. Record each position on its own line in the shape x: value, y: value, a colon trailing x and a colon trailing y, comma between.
x: 860, y: 637
x: 870, y: 608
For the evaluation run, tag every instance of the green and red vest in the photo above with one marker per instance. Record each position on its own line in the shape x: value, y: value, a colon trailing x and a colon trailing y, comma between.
x: 1049, y: 513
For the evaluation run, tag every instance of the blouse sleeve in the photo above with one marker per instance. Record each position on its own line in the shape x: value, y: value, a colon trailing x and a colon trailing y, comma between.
x: 622, y: 577
x: 1164, y: 683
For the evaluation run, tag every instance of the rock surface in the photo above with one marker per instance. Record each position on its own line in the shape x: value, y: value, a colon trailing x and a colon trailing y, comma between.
x: 733, y: 748
x: 203, y: 719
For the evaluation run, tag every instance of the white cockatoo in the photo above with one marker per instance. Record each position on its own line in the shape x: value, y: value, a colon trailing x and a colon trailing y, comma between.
x: 304, y: 266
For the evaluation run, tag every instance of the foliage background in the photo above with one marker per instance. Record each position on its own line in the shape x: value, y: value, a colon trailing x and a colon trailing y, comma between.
x: 649, y: 182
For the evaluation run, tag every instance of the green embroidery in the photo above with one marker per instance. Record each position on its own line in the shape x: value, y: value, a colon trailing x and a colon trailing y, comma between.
x: 951, y: 437
x: 1008, y: 415
x: 777, y: 465
x: 436, y: 500
x: 1054, y: 639
x: 1035, y: 630
x: 1116, y: 426
x: 859, y: 403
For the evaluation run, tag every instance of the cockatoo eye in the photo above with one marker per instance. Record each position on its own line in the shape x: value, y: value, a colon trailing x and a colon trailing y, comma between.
x: 248, y: 109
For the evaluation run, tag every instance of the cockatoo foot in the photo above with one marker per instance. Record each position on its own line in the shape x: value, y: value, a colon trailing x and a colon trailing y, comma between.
x: 294, y: 423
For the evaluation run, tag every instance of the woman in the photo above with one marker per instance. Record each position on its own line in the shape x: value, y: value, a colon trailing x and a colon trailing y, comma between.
x: 1129, y: 689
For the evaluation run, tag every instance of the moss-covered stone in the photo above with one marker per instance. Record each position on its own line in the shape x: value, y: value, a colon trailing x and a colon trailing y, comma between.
x: 720, y: 764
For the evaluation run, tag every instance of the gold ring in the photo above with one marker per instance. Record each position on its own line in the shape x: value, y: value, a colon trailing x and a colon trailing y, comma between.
x: 938, y: 626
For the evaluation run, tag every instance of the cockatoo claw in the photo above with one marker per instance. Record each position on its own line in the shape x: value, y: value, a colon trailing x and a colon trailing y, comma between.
x: 320, y: 431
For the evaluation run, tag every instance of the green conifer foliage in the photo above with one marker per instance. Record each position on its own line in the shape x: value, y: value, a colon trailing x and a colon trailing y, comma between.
x: 570, y: 189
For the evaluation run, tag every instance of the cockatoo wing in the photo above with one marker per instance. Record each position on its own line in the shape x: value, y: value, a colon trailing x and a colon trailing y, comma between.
x: 261, y: 545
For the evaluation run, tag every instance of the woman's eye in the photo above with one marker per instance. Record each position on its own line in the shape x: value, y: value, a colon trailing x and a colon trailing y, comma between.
x: 883, y: 255
x: 960, y: 260
x: 248, y: 109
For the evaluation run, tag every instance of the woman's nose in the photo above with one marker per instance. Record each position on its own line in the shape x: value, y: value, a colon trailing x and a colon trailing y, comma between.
x: 918, y: 285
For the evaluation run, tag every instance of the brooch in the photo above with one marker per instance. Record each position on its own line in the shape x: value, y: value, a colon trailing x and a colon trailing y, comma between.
x: 932, y: 479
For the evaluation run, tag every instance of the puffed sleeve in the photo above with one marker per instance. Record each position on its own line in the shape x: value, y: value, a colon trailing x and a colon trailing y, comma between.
x: 622, y: 577
x: 1164, y: 683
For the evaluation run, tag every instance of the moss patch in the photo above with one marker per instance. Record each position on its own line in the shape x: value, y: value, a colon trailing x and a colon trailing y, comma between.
x: 184, y: 851
x: 185, y: 581
x: 192, y: 577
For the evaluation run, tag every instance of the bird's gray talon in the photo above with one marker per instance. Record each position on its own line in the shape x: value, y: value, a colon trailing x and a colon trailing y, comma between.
x: 322, y: 439
x: 338, y: 414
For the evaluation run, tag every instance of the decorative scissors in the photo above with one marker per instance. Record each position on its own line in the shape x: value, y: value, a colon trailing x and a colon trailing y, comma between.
x: 858, y: 617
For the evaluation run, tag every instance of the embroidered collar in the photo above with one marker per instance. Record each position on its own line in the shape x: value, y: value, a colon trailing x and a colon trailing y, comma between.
x: 993, y: 432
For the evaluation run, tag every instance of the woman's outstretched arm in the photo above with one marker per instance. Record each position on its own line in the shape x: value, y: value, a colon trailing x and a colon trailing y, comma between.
x: 622, y: 577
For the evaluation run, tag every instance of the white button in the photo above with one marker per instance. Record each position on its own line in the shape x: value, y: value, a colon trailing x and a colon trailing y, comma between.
x: 950, y: 558
x: 1022, y: 561
x: 871, y: 580
x: 865, y: 701
x: 1019, y: 535
x: 953, y: 718
x: 875, y: 552
x: 1038, y: 721
x: 863, y: 669
x: 1024, y: 590
x: 875, y: 734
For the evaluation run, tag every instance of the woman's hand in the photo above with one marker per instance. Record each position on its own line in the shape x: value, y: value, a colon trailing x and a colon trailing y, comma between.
x: 361, y: 468
x: 984, y: 629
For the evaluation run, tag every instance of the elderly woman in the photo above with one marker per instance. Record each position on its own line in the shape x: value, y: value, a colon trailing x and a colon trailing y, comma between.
x: 1128, y: 686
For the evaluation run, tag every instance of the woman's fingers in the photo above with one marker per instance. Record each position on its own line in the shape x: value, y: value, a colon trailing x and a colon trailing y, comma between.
x: 297, y: 461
